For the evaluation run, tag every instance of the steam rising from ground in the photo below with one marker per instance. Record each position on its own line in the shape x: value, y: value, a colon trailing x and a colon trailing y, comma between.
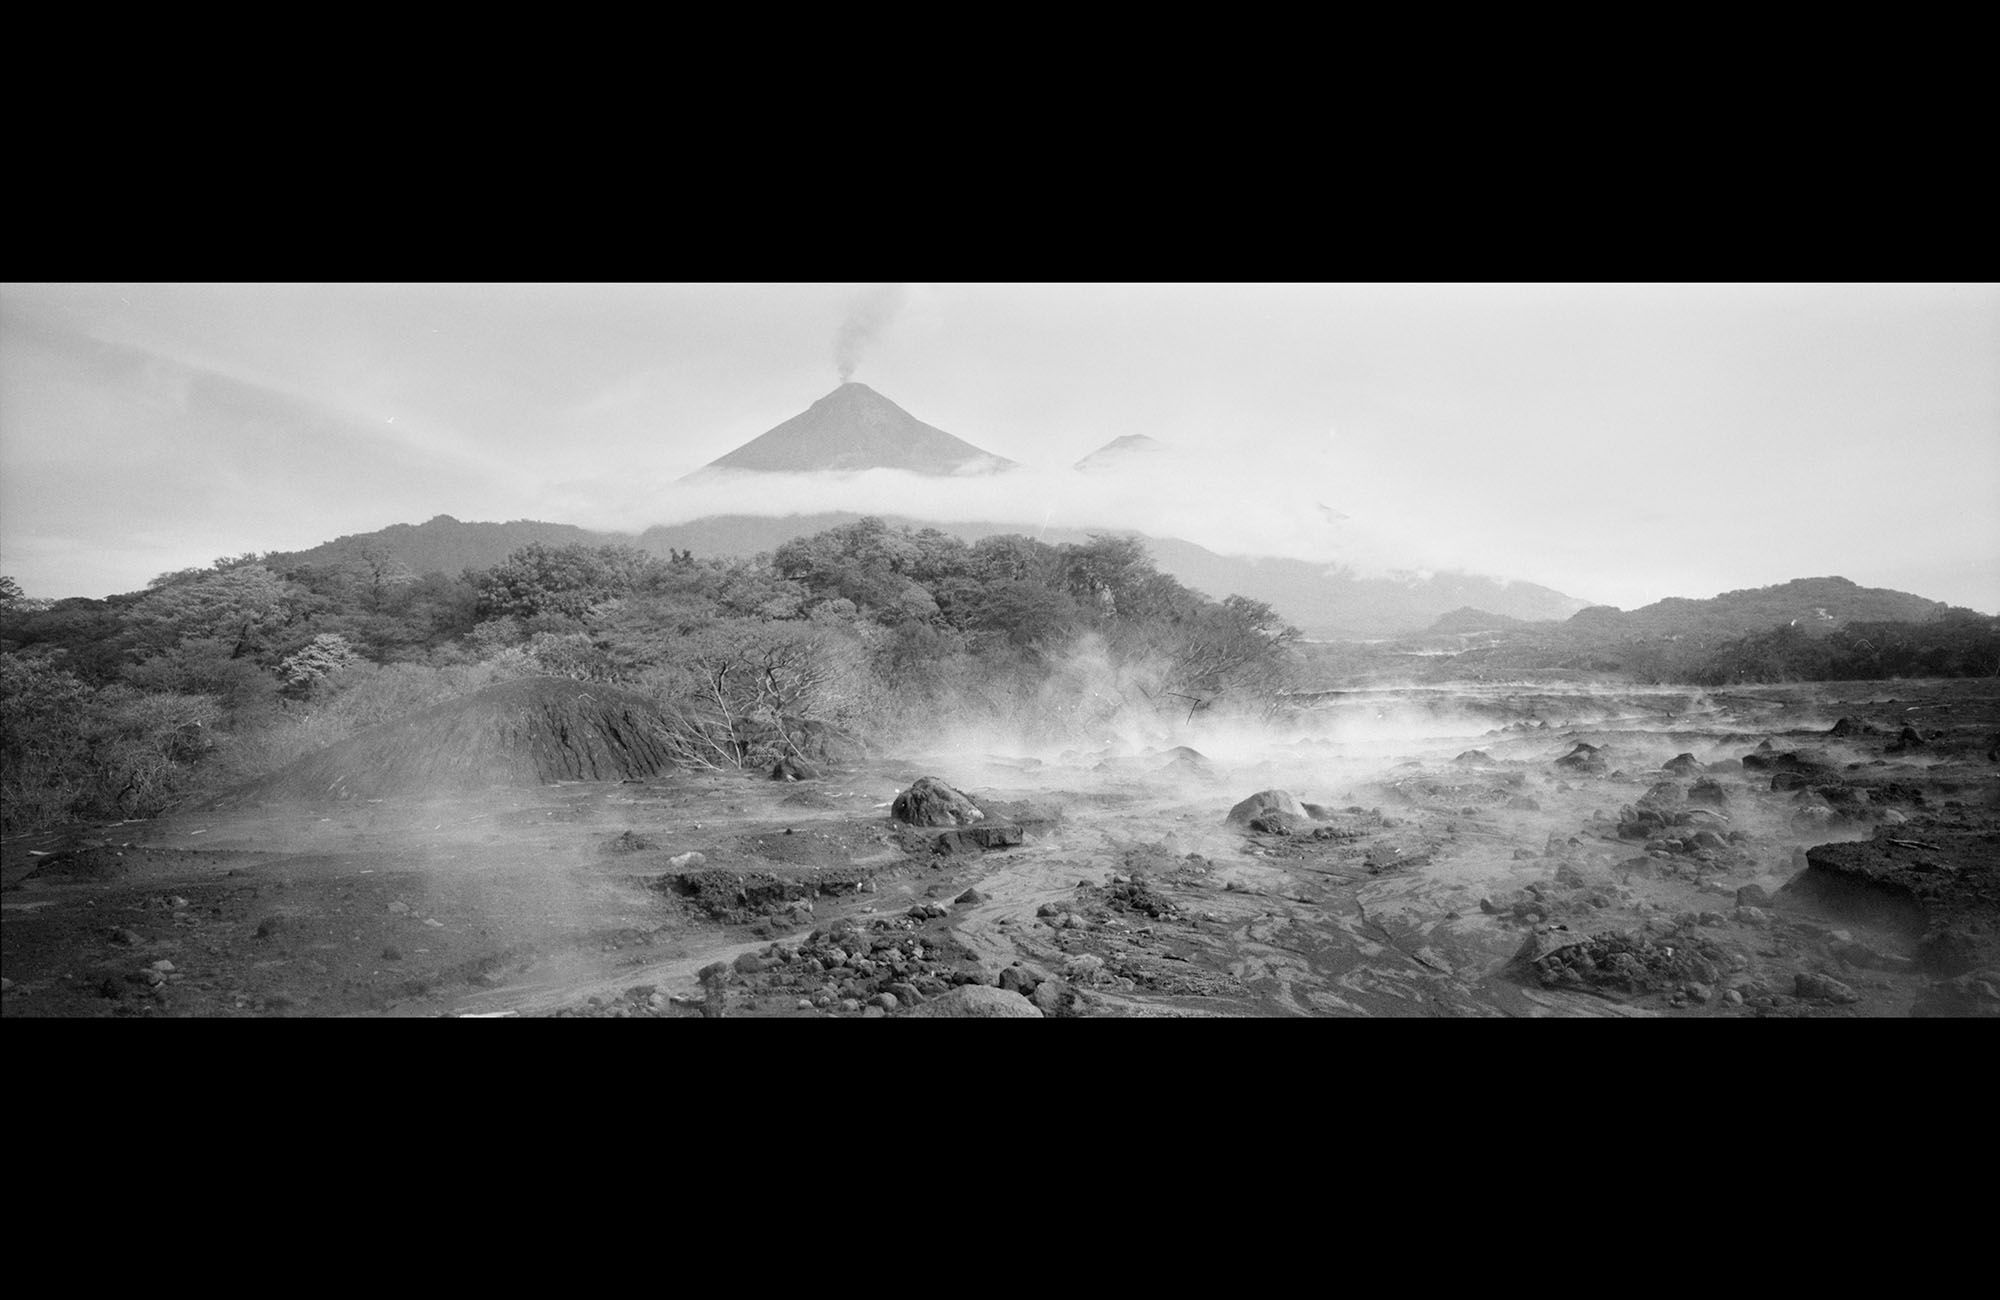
x: 1096, y: 736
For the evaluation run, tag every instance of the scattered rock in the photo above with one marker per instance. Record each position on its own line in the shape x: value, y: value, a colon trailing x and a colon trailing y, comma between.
x: 978, y: 1002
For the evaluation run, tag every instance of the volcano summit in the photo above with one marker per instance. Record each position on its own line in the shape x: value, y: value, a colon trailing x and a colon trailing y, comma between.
x: 852, y: 428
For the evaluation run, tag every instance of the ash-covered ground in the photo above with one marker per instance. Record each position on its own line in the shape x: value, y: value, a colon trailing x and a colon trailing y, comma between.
x: 1825, y: 850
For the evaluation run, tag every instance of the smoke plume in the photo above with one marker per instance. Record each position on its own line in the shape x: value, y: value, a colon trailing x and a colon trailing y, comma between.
x: 865, y: 319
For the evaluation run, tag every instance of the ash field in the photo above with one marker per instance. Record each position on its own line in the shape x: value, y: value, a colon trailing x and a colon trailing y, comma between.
x: 1823, y: 850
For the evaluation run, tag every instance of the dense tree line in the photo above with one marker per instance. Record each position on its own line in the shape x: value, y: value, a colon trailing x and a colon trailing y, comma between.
x: 128, y: 705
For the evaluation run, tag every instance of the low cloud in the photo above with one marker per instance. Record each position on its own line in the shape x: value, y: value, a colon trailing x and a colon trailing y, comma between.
x: 1233, y: 509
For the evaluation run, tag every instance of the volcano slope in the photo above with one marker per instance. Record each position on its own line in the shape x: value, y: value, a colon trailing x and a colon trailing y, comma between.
x: 1821, y: 851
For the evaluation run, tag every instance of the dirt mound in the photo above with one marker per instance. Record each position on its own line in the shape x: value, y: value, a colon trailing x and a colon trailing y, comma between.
x: 523, y: 733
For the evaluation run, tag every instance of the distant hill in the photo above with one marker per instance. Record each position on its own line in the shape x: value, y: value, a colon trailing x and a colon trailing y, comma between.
x: 1329, y: 601
x: 853, y: 428
x: 1326, y: 602
x: 1814, y: 604
x: 1120, y: 453
x: 442, y: 544
x: 1466, y: 619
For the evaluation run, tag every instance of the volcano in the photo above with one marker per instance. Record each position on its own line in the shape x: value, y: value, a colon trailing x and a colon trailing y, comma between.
x: 852, y: 428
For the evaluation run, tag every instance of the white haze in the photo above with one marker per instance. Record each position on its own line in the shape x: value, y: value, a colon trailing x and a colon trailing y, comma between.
x: 1215, y: 501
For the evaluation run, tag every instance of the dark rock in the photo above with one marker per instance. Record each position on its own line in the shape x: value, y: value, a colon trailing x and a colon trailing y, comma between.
x: 977, y: 839
x: 1276, y: 822
x: 1822, y: 988
x: 1753, y: 896
x: 1023, y: 978
x: 1681, y: 764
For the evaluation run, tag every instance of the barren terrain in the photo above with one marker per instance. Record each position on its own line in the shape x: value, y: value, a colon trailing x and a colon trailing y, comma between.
x: 1826, y: 850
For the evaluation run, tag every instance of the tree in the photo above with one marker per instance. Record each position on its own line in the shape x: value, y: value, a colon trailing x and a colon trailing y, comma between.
x: 564, y: 582
x: 244, y: 606
x: 320, y: 658
x: 743, y: 692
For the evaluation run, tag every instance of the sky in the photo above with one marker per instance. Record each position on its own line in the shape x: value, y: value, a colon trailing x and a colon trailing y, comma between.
x: 1620, y: 443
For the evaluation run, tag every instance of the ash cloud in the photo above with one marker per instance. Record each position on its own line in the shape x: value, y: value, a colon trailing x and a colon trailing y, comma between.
x: 866, y: 320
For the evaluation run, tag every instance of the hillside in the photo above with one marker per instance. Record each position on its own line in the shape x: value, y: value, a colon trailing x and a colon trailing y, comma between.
x: 443, y: 544
x: 1814, y: 604
x: 1330, y: 601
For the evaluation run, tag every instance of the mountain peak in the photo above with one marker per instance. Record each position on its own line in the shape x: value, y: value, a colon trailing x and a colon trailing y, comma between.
x: 852, y: 428
x: 1131, y: 449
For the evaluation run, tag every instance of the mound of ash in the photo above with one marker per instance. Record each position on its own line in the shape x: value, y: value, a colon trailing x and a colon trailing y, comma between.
x: 1584, y: 758
x: 1939, y: 885
x: 525, y: 733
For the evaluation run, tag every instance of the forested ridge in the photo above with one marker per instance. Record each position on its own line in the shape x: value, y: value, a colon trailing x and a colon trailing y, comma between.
x: 132, y: 705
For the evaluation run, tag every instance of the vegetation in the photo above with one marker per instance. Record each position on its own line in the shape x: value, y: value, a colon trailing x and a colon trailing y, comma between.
x: 211, y: 677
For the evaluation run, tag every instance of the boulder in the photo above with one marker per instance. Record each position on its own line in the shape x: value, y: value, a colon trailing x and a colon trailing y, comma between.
x: 1265, y: 802
x: 1023, y: 978
x: 930, y: 802
x: 1822, y: 988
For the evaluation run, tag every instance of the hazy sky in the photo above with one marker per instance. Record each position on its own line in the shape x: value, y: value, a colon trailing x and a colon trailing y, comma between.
x: 1620, y: 443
